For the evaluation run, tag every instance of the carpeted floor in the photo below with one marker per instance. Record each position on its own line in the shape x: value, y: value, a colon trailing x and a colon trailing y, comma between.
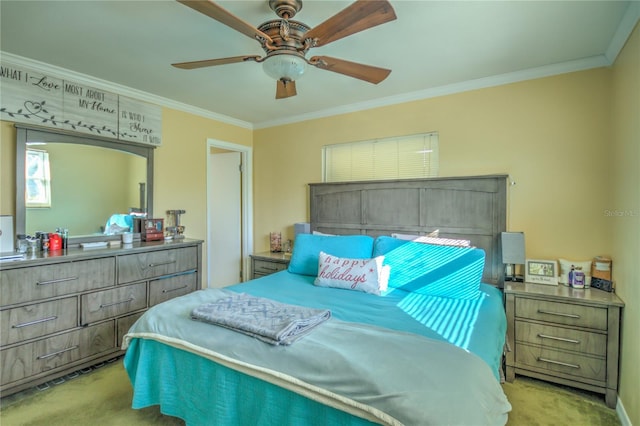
x: 103, y: 397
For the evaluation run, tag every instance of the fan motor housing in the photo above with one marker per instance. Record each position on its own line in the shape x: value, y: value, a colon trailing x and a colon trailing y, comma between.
x: 286, y: 35
x: 285, y: 9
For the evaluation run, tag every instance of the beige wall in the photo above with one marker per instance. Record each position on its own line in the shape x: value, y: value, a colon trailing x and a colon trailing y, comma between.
x: 180, y: 175
x: 547, y: 134
x: 7, y: 168
x: 625, y: 229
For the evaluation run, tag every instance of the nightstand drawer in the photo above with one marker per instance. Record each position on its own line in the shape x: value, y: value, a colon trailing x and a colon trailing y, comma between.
x: 264, y: 267
x: 561, y: 338
x: 542, y: 358
x: 562, y: 313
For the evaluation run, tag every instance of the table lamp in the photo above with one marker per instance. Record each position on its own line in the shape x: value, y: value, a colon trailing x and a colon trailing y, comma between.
x: 512, y: 254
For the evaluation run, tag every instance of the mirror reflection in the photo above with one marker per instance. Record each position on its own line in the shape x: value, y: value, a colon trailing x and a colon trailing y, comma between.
x: 80, y: 187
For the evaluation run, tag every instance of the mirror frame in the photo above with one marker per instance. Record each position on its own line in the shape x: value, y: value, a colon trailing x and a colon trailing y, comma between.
x: 26, y: 134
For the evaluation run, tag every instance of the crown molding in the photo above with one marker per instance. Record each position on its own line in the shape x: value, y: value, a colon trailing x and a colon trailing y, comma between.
x: 88, y: 80
x: 450, y: 89
x: 628, y: 23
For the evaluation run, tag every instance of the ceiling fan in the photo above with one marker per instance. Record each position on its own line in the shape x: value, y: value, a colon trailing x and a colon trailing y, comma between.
x: 287, y: 42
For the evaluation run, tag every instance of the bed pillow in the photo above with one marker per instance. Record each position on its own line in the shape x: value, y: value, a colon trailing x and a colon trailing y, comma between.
x: 367, y: 275
x: 412, y: 237
x: 565, y: 268
x: 322, y: 233
x: 307, y: 248
x: 384, y: 244
x: 435, y: 270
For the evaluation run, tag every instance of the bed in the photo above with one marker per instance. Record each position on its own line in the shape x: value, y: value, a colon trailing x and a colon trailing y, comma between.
x: 412, y: 353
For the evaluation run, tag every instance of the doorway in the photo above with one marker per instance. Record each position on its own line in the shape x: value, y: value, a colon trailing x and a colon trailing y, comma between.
x: 229, y: 213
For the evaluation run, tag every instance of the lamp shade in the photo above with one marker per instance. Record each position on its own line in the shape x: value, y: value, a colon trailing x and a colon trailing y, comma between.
x: 513, y: 248
x: 284, y: 66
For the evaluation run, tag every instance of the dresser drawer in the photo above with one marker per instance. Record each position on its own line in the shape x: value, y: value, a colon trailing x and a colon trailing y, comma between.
x: 42, y: 282
x: 562, y: 313
x: 172, y: 286
x: 561, y: 338
x: 56, y: 352
x: 263, y: 267
x: 573, y: 364
x: 142, y: 266
x: 114, y: 302
x: 123, y: 324
x: 37, y: 320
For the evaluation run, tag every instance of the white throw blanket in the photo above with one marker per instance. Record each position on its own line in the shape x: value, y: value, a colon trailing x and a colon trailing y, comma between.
x: 268, y: 320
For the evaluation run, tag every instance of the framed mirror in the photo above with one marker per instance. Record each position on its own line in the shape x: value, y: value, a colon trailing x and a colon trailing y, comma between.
x: 78, y: 182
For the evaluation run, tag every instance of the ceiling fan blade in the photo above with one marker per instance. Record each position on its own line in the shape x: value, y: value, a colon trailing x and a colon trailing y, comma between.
x: 357, y: 17
x: 353, y: 69
x: 213, y: 62
x: 212, y: 10
x: 285, y: 89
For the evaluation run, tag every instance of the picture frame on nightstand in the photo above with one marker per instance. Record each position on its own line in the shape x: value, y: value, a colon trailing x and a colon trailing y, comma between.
x: 541, y: 271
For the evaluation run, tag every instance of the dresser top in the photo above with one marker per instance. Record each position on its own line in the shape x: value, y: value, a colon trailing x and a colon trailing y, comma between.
x: 77, y: 253
x: 562, y: 292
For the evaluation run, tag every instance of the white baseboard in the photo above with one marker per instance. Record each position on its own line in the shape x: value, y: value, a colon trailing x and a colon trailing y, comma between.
x: 622, y: 414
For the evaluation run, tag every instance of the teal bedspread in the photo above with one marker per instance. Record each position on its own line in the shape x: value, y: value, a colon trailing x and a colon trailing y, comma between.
x: 386, y: 360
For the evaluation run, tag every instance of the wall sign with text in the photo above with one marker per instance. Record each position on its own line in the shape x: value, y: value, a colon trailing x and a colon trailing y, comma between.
x: 30, y: 96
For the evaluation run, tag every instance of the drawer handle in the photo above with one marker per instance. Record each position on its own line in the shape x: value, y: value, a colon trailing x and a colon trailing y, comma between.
x: 59, y: 280
x: 106, y: 305
x: 168, y: 262
x: 38, y: 321
x: 558, y: 362
x: 562, y: 339
x: 57, y: 352
x: 175, y: 289
x: 560, y: 314
x: 269, y: 268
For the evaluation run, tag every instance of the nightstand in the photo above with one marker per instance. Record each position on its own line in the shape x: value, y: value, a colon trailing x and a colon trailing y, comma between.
x: 267, y: 263
x: 564, y: 335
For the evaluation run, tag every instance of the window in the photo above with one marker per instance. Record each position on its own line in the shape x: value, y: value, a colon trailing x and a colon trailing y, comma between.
x: 403, y: 157
x: 38, y: 179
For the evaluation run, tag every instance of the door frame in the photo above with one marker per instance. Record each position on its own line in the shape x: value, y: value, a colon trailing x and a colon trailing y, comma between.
x: 246, y: 154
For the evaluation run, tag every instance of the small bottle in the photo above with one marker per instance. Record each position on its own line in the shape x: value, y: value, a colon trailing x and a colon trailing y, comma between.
x: 571, y: 276
x: 45, y: 242
x: 578, y: 278
x: 21, y: 243
x: 65, y: 238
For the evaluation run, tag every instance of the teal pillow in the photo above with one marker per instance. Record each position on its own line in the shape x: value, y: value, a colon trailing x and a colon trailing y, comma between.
x: 383, y: 244
x: 443, y: 271
x: 307, y: 248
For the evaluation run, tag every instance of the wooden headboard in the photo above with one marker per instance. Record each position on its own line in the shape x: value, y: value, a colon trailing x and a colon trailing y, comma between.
x: 471, y: 208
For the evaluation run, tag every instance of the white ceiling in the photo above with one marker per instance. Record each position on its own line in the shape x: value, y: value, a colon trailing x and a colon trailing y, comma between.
x: 433, y: 48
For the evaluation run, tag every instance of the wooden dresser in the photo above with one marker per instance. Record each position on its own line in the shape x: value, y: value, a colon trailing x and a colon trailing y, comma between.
x: 564, y: 335
x: 63, y: 312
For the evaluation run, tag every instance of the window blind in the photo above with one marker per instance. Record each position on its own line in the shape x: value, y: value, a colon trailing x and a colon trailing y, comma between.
x: 403, y: 157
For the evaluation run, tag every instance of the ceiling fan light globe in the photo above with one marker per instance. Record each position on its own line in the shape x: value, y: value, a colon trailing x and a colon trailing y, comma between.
x: 287, y: 67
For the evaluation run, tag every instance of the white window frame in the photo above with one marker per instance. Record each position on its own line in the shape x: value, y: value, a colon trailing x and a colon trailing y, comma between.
x: 357, y: 161
x: 37, y: 191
